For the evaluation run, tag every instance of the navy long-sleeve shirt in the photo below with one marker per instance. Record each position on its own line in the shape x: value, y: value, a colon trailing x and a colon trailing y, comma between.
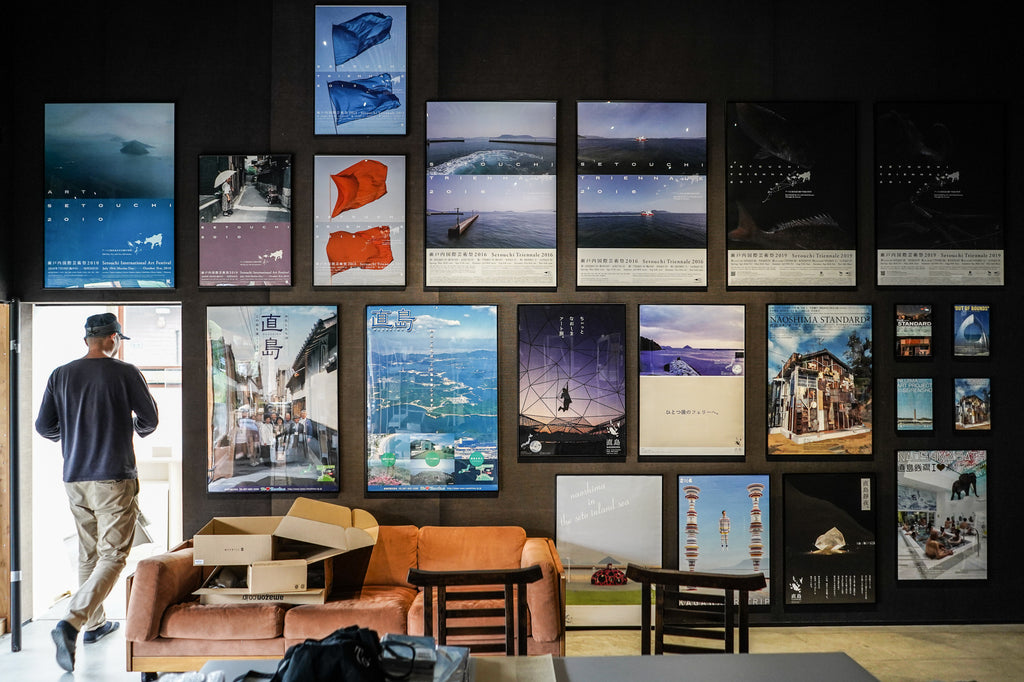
x: 92, y: 406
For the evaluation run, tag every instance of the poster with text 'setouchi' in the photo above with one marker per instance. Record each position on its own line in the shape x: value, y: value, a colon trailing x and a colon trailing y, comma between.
x: 572, y: 380
x: 791, y: 215
x: 431, y: 398
x: 641, y: 194
x: 691, y: 380
x: 490, y: 194
x: 819, y: 379
x: 245, y: 220
x: 273, y: 398
x: 940, y: 214
x: 361, y: 73
x: 108, y: 205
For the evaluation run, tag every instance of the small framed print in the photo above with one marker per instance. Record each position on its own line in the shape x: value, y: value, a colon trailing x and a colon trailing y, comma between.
x: 972, y: 334
x: 914, y: 404
x: 913, y: 331
x: 972, y: 404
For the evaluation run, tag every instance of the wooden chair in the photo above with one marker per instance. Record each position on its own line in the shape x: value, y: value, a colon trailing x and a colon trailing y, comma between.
x: 689, y: 613
x: 493, y: 585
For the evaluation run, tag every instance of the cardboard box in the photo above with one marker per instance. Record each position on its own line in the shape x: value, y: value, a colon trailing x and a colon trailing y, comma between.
x: 277, y: 576
x: 318, y: 584
x: 235, y: 541
x: 334, y: 528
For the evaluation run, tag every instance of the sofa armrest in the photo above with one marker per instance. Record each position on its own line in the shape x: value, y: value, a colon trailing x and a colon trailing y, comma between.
x: 545, y: 597
x: 158, y: 582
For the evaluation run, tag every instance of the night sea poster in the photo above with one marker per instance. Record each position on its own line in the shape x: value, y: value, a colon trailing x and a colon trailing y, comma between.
x: 359, y: 221
x: 108, y: 196
x: 431, y: 398
x: 691, y: 380
x: 245, y: 220
x: 490, y: 194
x: 360, y: 76
x: 273, y: 398
x: 791, y: 215
x: 941, y: 515
x: 829, y: 527
x: 940, y: 176
x: 641, y: 194
x: 572, y: 380
x: 819, y: 381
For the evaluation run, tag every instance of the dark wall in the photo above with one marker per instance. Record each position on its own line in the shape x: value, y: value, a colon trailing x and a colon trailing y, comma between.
x: 241, y: 77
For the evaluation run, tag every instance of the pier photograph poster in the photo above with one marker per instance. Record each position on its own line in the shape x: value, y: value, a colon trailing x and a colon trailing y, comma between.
x: 359, y: 226
x: 829, y: 524
x: 914, y: 404
x: 431, y: 398
x: 691, y: 380
x: 819, y: 379
x: 791, y: 199
x: 940, y: 213
x: 972, y: 404
x: 572, y: 380
x: 971, y: 330
x: 108, y: 195
x: 602, y: 523
x: 361, y: 73
x: 641, y: 194
x: 491, y: 194
x: 272, y: 398
x: 245, y: 220
x: 913, y: 331
x: 941, y: 515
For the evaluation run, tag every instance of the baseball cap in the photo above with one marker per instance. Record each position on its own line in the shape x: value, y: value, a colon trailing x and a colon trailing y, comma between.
x: 103, y: 324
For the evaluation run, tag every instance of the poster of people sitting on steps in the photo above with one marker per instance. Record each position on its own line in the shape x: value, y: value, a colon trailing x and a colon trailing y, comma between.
x: 942, y: 515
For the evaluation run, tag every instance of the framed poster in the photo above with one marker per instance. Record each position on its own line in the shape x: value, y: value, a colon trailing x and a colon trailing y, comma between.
x: 245, y: 220
x: 602, y: 523
x: 819, y: 379
x: 791, y: 204
x: 273, y: 398
x: 359, y: 221
x: 572, y: 380
x: 914, y: 404
x: 942, y: 515
x: 940, y: 214
x: 641, y: 194
x: 490, y: 194
x: 913, y: 331
x: 829, y: 525
x: 972, y: 404
x: 361, y: 76
x: 972, y: 333
x: 108, y: 195
x: 724, y: 526
x: 431, y: 398
x: 691, y: 380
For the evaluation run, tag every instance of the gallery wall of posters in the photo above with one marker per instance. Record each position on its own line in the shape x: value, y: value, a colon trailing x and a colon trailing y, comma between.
x: 572, y: 380
x: 245, y: 220
x: 641, y: 194
x: 490, y: 194
x: 360, y: 76
x: 913, y: 331
x: 819, y: 380
x: 431, y: 398
x: 942, y: 514
x: 272, y: 390
x: 791, y: 215
x: 108, y: 195
x: 940, y: 214
x: 691, y: 380
x: 359, y: 221
x: 972, y: 333
x: 829, y: 526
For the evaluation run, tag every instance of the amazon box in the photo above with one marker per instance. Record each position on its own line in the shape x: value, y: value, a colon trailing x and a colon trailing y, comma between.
x: 289, y: 581
x: 235, y: 541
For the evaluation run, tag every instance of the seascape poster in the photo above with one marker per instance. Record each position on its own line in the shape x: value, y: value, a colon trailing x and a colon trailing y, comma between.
x: 972, y: 404
x: 572, y: 380
x: 245, y: 220
x: 431, y: 398
x: 360, y: 76
x: 490, y: 194
x: 791, y: 200
x: 691, y: 380
x: 941, y: 515
x: 359, y: 226
x: 940, y: 214
x: 914, y: 404
x: 273, y: 398
x: 913, y: 331
x: 108, y: 195
x: 819, y: 379
x: 971, y: 330
x: 641, y: 194
x: 829, y: 529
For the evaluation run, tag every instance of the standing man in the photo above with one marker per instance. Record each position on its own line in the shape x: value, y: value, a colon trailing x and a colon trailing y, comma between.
x: 92, y: 406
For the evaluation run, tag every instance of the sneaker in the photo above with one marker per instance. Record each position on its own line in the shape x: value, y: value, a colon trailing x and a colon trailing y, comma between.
x: 64, y: 636
x: 96, y: 634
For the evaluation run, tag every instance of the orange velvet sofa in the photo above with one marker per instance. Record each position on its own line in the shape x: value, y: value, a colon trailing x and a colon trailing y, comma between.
x: 168, y: 630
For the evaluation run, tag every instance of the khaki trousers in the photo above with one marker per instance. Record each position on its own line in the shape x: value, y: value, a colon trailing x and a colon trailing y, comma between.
x: 105, y: 514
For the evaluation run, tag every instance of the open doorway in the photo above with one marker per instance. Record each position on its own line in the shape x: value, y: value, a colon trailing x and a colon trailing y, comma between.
x: 155, y: 348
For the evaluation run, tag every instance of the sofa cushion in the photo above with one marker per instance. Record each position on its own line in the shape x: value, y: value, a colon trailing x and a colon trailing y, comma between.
x: 158, y: 582
x: 461, y: 548
x: 379, y: 608
x: 193, y: 620
x: 393, y: 556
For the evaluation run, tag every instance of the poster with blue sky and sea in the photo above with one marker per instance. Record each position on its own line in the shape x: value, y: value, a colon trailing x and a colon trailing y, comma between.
x: 914, y: 404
